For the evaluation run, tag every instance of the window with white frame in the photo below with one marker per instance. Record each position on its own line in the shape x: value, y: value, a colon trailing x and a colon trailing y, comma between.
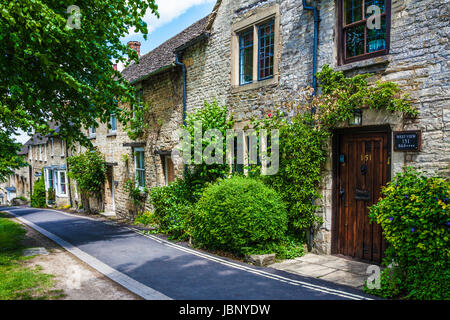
x: 139, y: 165
x: 30, y: 155
x: 49, y: 179
x: 52, y: 150
x: 63, y: 148
x: 40, y: 152
x: 113, y: 124
x: 255, y: 48
x: 92, y: 132
x: 62, y: 183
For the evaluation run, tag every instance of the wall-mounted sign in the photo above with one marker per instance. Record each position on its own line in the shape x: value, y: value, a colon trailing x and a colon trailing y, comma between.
x: 407, y: 140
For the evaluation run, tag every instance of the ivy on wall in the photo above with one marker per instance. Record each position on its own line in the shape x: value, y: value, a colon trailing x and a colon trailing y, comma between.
x: 304, y: 136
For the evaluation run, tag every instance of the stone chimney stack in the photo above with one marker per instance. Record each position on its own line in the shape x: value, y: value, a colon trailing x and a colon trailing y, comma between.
x: 115, y: 66
x: 136, y: 46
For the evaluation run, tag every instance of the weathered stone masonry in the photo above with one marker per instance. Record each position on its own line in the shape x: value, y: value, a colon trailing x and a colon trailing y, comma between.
x: 417, y: 61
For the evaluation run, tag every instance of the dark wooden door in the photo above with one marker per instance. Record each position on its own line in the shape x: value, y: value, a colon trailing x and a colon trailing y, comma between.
x: 362, y: 172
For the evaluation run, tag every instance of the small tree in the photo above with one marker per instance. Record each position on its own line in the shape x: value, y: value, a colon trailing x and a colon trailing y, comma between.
x: 89, y: 170
x: 38, y: 197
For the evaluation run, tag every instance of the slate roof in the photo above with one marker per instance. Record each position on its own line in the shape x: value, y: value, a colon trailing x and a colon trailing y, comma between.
x: 37, y: 138
x: 164, y: 55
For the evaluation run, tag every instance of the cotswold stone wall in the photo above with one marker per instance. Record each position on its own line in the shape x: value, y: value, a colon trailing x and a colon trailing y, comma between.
x: 163, y: 92
x: 418, y: 62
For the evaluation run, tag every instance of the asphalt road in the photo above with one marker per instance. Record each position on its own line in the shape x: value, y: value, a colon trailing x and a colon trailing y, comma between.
x: 173, y: 271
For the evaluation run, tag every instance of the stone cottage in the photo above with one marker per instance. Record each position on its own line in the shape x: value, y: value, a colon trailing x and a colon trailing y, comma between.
x: 47, y: 156
x: 252, y: 55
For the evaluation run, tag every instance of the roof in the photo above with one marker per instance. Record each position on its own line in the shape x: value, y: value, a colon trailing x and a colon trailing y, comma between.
x: 164, y: 55
x: 37, y: 138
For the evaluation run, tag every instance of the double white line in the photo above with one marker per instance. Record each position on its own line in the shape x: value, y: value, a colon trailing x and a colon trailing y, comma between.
x: 262, y: 273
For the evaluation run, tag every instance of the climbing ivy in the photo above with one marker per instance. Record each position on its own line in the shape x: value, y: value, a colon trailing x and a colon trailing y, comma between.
x: 304, y: 136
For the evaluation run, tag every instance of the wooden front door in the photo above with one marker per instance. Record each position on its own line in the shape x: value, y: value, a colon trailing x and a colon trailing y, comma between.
x: 363, y: 169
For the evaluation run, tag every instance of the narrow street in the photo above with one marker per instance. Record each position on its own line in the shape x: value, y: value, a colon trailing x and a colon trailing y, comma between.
x: 158, y: 270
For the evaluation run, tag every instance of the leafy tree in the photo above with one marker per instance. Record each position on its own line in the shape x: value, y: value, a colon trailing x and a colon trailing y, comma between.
x: 89, y: 170
x: 38, y: 199
x: 51, y: 69
x: 9, y: 160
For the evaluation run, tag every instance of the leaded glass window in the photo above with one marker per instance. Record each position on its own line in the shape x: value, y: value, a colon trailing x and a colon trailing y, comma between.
x: 246, y: 57
x: 361, y: 37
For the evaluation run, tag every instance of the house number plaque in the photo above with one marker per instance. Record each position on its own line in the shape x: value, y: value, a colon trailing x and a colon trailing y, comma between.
x: 407, y: 140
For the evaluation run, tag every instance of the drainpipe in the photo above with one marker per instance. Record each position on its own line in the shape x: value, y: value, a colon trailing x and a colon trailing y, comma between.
x: 316, y: 40
x: 310, y: 232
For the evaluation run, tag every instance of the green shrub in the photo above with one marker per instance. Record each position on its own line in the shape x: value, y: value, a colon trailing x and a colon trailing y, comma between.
x: 302, y: 157
x: 237, y: 214
x: 171, y: 208
x: 415, y: 218
x: 38, y: 199
x: 146, y: 218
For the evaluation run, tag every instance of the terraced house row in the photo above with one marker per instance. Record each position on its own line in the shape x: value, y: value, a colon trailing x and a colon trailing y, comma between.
x: 251, y: 55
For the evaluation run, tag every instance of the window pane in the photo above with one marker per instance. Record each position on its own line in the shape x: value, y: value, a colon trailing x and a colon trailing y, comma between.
x: 113, y: 123
x: 379, y: 3
x: 266, y: 50
x: 246, y: 57
x: 376, y: 38
x: 355, y: 41
x: 353, y: 11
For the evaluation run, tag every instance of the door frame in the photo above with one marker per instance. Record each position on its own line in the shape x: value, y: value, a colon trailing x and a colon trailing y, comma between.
x: 335, y: 174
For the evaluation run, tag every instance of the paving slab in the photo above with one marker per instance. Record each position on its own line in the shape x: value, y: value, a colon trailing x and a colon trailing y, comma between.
x: 346, y: 278
x: 34, y: 252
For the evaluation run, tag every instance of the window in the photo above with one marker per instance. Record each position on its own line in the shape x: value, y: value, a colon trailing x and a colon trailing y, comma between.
x: 169, y: 170
x: 50, y: 179
x: 52, y: 150
x: 31, y: 153
x: 255, y: 48
x: 92, y: 132
x: 360, y: 36
x: 40, y: 152
x: 266, y: 40
x: 113, y: 124
x: 139, y: 100
x: 246, y: 57
x: 62, y: 183
x: 139, y: 165
x: 63, y: 148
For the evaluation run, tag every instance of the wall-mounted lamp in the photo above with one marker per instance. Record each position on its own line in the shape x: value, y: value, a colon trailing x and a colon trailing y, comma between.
x: 356, y: 119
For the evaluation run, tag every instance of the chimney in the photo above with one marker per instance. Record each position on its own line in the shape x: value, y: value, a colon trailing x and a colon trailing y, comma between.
x: 136, y: 46
x: 115, y: 66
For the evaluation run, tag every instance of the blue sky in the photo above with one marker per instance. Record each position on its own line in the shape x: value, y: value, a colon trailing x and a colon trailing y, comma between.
x: 175, y: 16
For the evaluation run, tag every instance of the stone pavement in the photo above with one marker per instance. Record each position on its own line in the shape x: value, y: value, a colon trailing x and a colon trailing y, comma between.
x: 330, y: 268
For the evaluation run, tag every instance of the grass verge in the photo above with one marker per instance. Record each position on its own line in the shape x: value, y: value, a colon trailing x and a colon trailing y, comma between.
x: 17, y: 281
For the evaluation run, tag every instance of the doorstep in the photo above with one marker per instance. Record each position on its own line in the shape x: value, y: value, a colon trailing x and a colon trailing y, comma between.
x: 108, y: 214
x: 330, y: 268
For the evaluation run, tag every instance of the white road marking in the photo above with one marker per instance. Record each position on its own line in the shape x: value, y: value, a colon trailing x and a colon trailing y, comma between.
x: 117, y: 276
x: 262, y: 273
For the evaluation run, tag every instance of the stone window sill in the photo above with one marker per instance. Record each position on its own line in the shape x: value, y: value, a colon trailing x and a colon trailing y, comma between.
x: 255, y: 85
x: 112, y: 134
x: 364, y: 64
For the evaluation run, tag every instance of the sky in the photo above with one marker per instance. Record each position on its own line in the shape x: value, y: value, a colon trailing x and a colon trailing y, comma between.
x: 175, y: 16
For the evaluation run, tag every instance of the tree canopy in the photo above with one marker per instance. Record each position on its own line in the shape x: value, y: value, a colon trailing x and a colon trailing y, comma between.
x: 56, y: 64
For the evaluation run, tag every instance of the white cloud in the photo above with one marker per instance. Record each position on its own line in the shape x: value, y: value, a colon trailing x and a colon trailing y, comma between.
x: 169, y: 10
